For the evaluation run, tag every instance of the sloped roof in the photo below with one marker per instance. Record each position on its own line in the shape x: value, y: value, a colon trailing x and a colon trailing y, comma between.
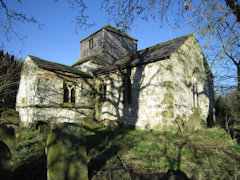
x: 154, y: 53
x: 112, y: 29
x: 95, y: 58
x: 58, y: 67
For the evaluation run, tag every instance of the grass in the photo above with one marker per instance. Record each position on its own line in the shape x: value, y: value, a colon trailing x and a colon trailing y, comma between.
x: 204, y: 154
x: 29, y: 154
x: 115, y: 153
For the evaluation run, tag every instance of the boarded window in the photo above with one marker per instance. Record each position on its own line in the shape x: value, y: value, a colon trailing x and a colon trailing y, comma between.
x: 69, y: 92
x: 90, y: 43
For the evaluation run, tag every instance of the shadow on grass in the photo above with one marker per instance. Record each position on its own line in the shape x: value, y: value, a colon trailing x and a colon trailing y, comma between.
x: 100, y: 141
x: 106, y: 142
x: 172, y: 163
x: 32, y: 169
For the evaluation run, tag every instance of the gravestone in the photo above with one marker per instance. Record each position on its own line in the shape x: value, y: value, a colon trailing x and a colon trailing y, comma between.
x: 66, y: 153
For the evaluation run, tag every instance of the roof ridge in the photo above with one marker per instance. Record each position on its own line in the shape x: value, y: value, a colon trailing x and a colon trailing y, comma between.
x: 31, y: 56
x: 119, y: 31
x: 116, y: 30
x: 162, y: 43
x: 153, y: 53
x: 165, y: 42
x: 56, y: 66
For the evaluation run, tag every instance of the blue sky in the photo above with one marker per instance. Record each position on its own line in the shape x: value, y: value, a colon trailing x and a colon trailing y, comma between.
x: 56, y: 41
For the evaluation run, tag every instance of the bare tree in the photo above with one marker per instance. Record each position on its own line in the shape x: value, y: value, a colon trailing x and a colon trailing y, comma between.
x: 10, y: 70
x: 10, y: 18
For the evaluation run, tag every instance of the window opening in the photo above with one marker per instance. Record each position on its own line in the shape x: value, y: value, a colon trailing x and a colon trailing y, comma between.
x: 90, y: 43
x: 69, y: 93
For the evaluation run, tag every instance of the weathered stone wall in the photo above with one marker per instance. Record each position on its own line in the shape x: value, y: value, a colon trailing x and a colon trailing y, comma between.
x: 161, y: 92
x: 41, y: 96
x: 110, y: 109
x: 97, y: 45
x: 117, y: 45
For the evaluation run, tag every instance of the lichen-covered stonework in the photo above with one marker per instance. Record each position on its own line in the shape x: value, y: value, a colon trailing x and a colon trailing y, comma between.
x: 161, y: 92
x: 165, y: 87
x: 40, y: 96
x: 66, y: 153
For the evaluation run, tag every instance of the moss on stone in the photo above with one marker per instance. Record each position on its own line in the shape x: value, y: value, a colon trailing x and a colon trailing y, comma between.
x: 168, y: 98
x: 66, y: 153
x: 158, y: 114
x: 194, y: 121
x: 7, y: 135
x: 171, y: 128
x: 88, y: 121
x: 158, y: 127
x: 169, y: 67
x: 64, y: 105
x: 168, y: 114
x: 167, y: 83
x: 180, y: 123
x: 10, y: 116
x: 105, y: 104
x: 164, y: 121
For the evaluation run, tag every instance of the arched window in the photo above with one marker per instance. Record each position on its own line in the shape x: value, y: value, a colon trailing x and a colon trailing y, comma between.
x: 69, y: 92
